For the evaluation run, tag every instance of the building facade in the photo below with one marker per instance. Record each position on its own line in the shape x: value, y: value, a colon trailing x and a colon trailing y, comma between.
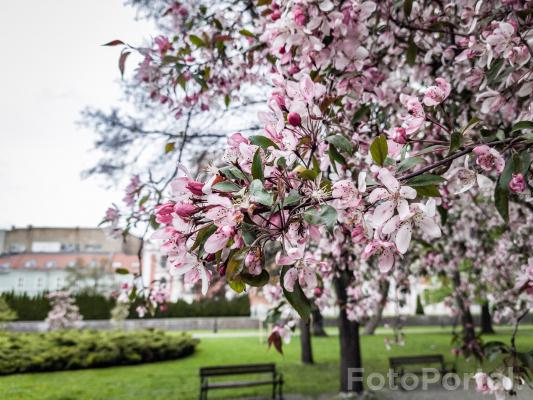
x: 34, y: 260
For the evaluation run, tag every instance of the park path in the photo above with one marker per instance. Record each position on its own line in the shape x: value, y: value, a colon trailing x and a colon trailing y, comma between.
x: 432, y: 394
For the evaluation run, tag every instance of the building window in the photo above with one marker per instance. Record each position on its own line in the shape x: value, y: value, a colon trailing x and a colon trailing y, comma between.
x: 30, y: 264
x: 93, y: 247
x: 59, y: 283
x: 117, y: 264
x: 20, y: 283
x: 51, y: 264
x: 39, y: 284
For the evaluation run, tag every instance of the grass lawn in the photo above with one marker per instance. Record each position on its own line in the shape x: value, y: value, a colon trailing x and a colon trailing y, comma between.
x: 179, y: 379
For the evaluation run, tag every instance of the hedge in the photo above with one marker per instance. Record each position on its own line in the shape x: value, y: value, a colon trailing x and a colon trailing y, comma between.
x: 78, y: 349
x: 96, y: 306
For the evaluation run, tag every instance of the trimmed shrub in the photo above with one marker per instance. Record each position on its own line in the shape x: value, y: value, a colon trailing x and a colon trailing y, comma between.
x: 96, y: 306
x: 77, y: 349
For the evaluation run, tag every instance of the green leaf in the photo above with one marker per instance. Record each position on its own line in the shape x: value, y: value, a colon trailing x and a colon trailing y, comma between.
x: 170, y: 146
x: 341, y: 143
x: 494, y: 70
x: 256, y: 280
x: 430, y: 149
x: 226, y: 187
x: 425, y: 179
x: 379, y: 150
x: 122, y: 271
x: 409, y: 163
x: 232, y: 172
x: 237, y: 285
x: 246, y: 32
x: 335, y: 155
x: 234, y: 266
x: 262, y: 141
x: 144, y: 199
x: 407, y: 7
x: 525, y: 161
x: 455, y: 141
x: 325, y: 215
x: 501, y: 201
x: 197, y: 41
x: 512, y: 165
x: 292, y: 198
x: 296, y: 298
x: 257, y: 166
x: 259, y: 195
x: 519, y: 126
x: 473, y: 122
x: 202, y: 236
x: 427, y: 191
x: 201, y: 82
x: 153, y: 223
x: 308, y: 174
x: 360, y: 114
x: 410, y: 55
x: 227, y: 100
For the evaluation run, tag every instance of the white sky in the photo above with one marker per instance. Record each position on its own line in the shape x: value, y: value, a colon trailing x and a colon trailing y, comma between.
x: 52, y: 66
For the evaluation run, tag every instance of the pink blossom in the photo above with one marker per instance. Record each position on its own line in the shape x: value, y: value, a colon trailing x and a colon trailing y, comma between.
x: 163, y: 45
x: 185, y: 210
x: 398, y: 135
x: 253, y: 263
x: 163, y: 213
x: 141, y: 311
x: 422, y: 216
x: 299, y: 16
x: 489, y: 158
x: 393, y: 196
x: 435, y: 95
x: 305, y: 275
x: 346, y: 194
x: 416, y: 117
x: 517, y: 183
x: 218, y: 240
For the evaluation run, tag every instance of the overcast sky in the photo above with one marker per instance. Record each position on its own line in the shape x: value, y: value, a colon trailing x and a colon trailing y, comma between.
x: 53, y: 65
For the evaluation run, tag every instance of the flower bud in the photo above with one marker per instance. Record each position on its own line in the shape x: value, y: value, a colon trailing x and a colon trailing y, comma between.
x: 294, y: 119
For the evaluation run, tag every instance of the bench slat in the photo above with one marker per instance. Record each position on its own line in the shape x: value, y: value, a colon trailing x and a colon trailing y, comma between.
x: 409, y: 360
x: 237, y: 369
x: 228, y: 385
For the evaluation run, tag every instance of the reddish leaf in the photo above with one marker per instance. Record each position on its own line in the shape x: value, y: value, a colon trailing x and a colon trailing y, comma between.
x: 275, y: 339
x: 114, y: 43
x: 122, y: 61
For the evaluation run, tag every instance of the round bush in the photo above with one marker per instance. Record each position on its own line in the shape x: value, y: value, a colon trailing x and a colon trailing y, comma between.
x: 76, y: 349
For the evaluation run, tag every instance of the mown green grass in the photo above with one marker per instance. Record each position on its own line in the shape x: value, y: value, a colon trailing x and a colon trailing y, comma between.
x: 179, y: 379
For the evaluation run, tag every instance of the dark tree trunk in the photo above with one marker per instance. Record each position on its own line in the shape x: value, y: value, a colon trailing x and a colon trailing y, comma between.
x: 486, y: 319
x: 305, y: 341
x: 350, y: 349
x: 373, y: 323
x: 318, y: 323
x: 471, y: 343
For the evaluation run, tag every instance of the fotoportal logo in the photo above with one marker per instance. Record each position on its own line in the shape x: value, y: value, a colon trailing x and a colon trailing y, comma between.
x: 423, y: 379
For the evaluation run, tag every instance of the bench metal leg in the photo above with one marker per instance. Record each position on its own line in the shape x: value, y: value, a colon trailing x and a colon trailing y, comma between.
x: 281, y: 390
x: 274, y: 391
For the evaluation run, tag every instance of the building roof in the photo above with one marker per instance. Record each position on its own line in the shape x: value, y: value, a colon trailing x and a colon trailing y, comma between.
x: 41, y: 261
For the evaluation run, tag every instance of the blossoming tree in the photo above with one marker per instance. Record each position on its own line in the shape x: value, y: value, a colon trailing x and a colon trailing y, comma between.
x: 381, y: 120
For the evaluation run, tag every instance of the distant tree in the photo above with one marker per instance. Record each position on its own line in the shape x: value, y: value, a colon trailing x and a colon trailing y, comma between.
x: 64, y: 313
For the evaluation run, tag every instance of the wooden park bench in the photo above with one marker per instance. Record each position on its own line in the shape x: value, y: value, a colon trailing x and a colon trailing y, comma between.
x: 397, y: 364
x: 275, y: 379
